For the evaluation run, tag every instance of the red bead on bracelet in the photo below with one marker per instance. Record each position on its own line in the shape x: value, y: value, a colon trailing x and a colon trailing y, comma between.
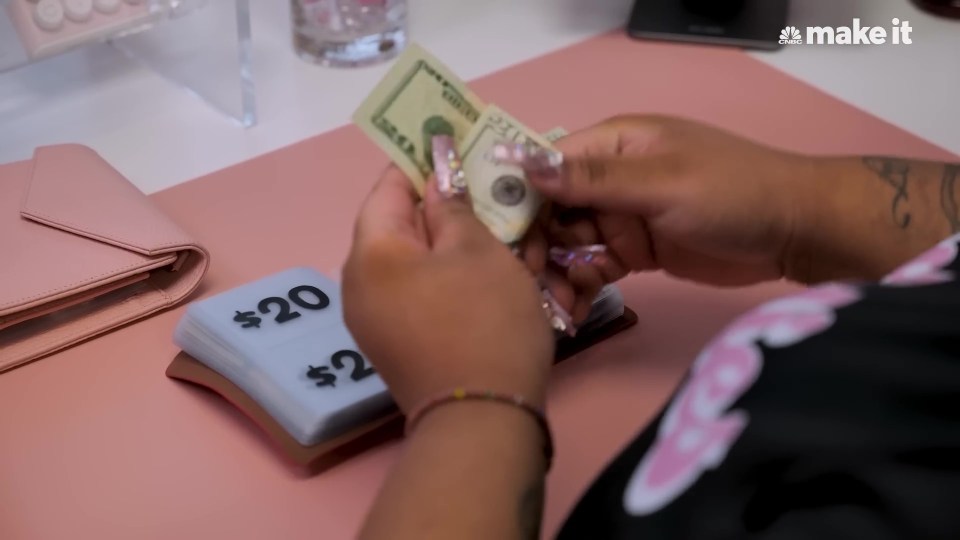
x: 461, y: 394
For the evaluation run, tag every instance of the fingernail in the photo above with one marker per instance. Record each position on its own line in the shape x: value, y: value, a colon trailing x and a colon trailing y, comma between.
x: 451, y: 181
x: 530, y: 156
x: 591, y: 254
x: 560, y: 320
x: 542, y: 165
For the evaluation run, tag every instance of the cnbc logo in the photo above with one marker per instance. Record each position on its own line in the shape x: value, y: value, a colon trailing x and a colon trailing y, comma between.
x: 855, y: 34
x: 790, y: 36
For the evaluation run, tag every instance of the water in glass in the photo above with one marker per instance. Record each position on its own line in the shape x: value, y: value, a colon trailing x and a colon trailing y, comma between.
x: 348, y: 33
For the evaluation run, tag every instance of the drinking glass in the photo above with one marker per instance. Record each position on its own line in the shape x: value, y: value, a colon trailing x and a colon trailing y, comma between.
x: 349, y: 33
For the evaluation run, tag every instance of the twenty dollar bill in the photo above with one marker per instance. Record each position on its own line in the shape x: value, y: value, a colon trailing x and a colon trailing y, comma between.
x: 418, y: 98
x: 555, y: 134
x: 502, y: 197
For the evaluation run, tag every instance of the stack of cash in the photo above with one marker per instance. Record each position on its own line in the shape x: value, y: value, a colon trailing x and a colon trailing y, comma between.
x: 420, y: 98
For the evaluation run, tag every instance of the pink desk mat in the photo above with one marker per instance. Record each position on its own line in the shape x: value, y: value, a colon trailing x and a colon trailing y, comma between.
x: 96, y: 442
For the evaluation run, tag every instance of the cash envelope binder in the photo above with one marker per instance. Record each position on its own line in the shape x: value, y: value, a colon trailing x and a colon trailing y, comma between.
x: 82, y: 251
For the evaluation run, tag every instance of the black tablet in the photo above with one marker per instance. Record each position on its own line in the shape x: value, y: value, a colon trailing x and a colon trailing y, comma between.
x: 753, y: 24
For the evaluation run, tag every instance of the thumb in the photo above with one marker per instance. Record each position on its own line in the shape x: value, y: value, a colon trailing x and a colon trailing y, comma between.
x: 612, y: 183
x: 448, y: 211
x: 449, y: 218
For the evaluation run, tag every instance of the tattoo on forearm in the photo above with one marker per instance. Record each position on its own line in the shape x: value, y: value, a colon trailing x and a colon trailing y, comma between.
x: 531, y: 510
x: 896, y: 174
x: 948, y: 196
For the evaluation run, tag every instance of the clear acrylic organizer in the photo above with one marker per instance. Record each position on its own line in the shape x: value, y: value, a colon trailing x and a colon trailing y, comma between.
x: 202, y: 46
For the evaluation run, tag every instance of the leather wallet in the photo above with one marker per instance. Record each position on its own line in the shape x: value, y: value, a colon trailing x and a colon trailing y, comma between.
x: 82, y: 251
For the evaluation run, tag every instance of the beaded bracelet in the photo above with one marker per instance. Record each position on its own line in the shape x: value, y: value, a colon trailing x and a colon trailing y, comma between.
x: 461, y: 394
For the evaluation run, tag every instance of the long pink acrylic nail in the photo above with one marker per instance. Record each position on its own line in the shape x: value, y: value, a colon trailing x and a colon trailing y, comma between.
x: 527, y: 155
x: 451, y: 180
x: 559, y: 319
x: 567, y: 257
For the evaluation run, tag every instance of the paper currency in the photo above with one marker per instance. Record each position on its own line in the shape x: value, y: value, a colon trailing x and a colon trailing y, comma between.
x: 420, y: 98
x: 417, y: 99
x: 555, y: 134
x: 502, y: 197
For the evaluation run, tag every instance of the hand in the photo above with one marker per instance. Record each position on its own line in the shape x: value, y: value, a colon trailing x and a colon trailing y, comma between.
x: 437, y: 302
x: 671, y: 194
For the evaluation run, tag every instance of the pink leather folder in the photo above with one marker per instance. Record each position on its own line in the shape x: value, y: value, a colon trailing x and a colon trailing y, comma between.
x: 82, y: 251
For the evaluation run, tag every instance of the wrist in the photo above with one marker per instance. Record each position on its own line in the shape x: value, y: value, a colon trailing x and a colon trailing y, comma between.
x: 522, y: 373
x: 494, y: 425
x: 477, y: 463
x: 815, y: 196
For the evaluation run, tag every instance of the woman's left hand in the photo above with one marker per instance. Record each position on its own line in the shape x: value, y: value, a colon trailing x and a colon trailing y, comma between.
x: 437, y: 302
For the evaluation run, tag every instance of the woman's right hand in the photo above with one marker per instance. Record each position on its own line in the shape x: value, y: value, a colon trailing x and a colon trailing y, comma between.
x: 671, y: 194
x: 707, y: 205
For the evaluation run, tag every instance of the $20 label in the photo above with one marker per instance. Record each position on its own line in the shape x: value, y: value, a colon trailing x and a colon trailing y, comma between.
x: 249, y: 319
x: 323, y: 376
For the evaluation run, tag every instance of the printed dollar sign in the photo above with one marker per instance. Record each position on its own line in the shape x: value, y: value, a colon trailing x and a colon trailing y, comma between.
x: 324, y: 378
x: 248, y: 319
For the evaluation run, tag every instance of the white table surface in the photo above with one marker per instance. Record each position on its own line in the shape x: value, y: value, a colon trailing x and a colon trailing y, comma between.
x: 159, y: 135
